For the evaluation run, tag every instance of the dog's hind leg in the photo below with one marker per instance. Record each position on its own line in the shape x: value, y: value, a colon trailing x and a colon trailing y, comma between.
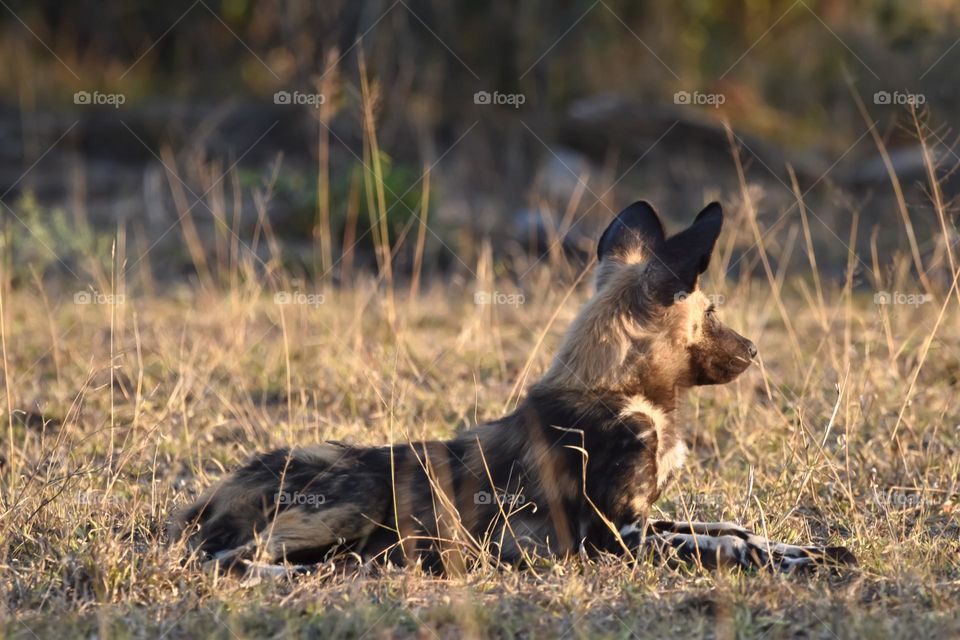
x: 231, y: 560
x: 292, y: 533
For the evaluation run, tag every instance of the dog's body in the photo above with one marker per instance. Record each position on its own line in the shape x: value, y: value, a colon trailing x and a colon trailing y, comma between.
x: 576, y: 466
x: 306, y: 501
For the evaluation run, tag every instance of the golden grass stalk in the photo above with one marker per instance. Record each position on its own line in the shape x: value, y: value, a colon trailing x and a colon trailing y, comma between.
x: 382, y: 239
x: 897, y: 190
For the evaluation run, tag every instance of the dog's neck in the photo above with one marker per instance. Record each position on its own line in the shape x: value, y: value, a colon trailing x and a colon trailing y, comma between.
x: 637, y: 377
x: 662, y: 397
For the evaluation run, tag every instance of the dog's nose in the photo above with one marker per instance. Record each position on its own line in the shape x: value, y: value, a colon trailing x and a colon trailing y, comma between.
x: 752, y: 348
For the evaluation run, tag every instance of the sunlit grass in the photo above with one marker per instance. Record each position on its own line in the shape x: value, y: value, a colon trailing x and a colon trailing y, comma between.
x: 802, y: 447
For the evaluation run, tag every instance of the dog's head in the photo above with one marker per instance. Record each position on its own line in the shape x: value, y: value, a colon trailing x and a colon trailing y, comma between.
x: 648, y: 327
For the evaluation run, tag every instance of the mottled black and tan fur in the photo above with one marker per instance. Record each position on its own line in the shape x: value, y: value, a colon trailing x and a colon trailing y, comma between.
x: 576, y: 467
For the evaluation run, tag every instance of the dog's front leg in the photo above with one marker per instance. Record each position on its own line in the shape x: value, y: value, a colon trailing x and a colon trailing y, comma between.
x: 713, y: 544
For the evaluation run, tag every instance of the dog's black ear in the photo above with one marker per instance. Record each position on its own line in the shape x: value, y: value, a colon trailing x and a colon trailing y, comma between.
x: 686, y: 255
x: 636, y: 227
x: 703, y: 234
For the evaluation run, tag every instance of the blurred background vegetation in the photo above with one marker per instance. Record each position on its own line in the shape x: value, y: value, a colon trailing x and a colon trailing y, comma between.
x: 200, y: 153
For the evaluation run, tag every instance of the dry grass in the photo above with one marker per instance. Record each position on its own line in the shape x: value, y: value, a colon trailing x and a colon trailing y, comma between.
x: 839, y: 440
x: 119, y: 410
x: 114, y: 413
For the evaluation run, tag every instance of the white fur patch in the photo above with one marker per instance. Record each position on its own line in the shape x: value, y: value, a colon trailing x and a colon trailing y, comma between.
x: 669, y: 461
x: 640, y: 405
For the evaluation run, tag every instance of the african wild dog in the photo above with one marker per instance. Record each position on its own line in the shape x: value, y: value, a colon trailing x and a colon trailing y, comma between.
x: 576, y: 467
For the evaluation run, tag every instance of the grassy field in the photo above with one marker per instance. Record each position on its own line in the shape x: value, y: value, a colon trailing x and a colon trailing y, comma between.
x: 130, y: 400
x: 150, y: 344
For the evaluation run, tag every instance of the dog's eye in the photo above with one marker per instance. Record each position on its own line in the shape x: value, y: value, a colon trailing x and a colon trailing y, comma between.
x: 711, y: 311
